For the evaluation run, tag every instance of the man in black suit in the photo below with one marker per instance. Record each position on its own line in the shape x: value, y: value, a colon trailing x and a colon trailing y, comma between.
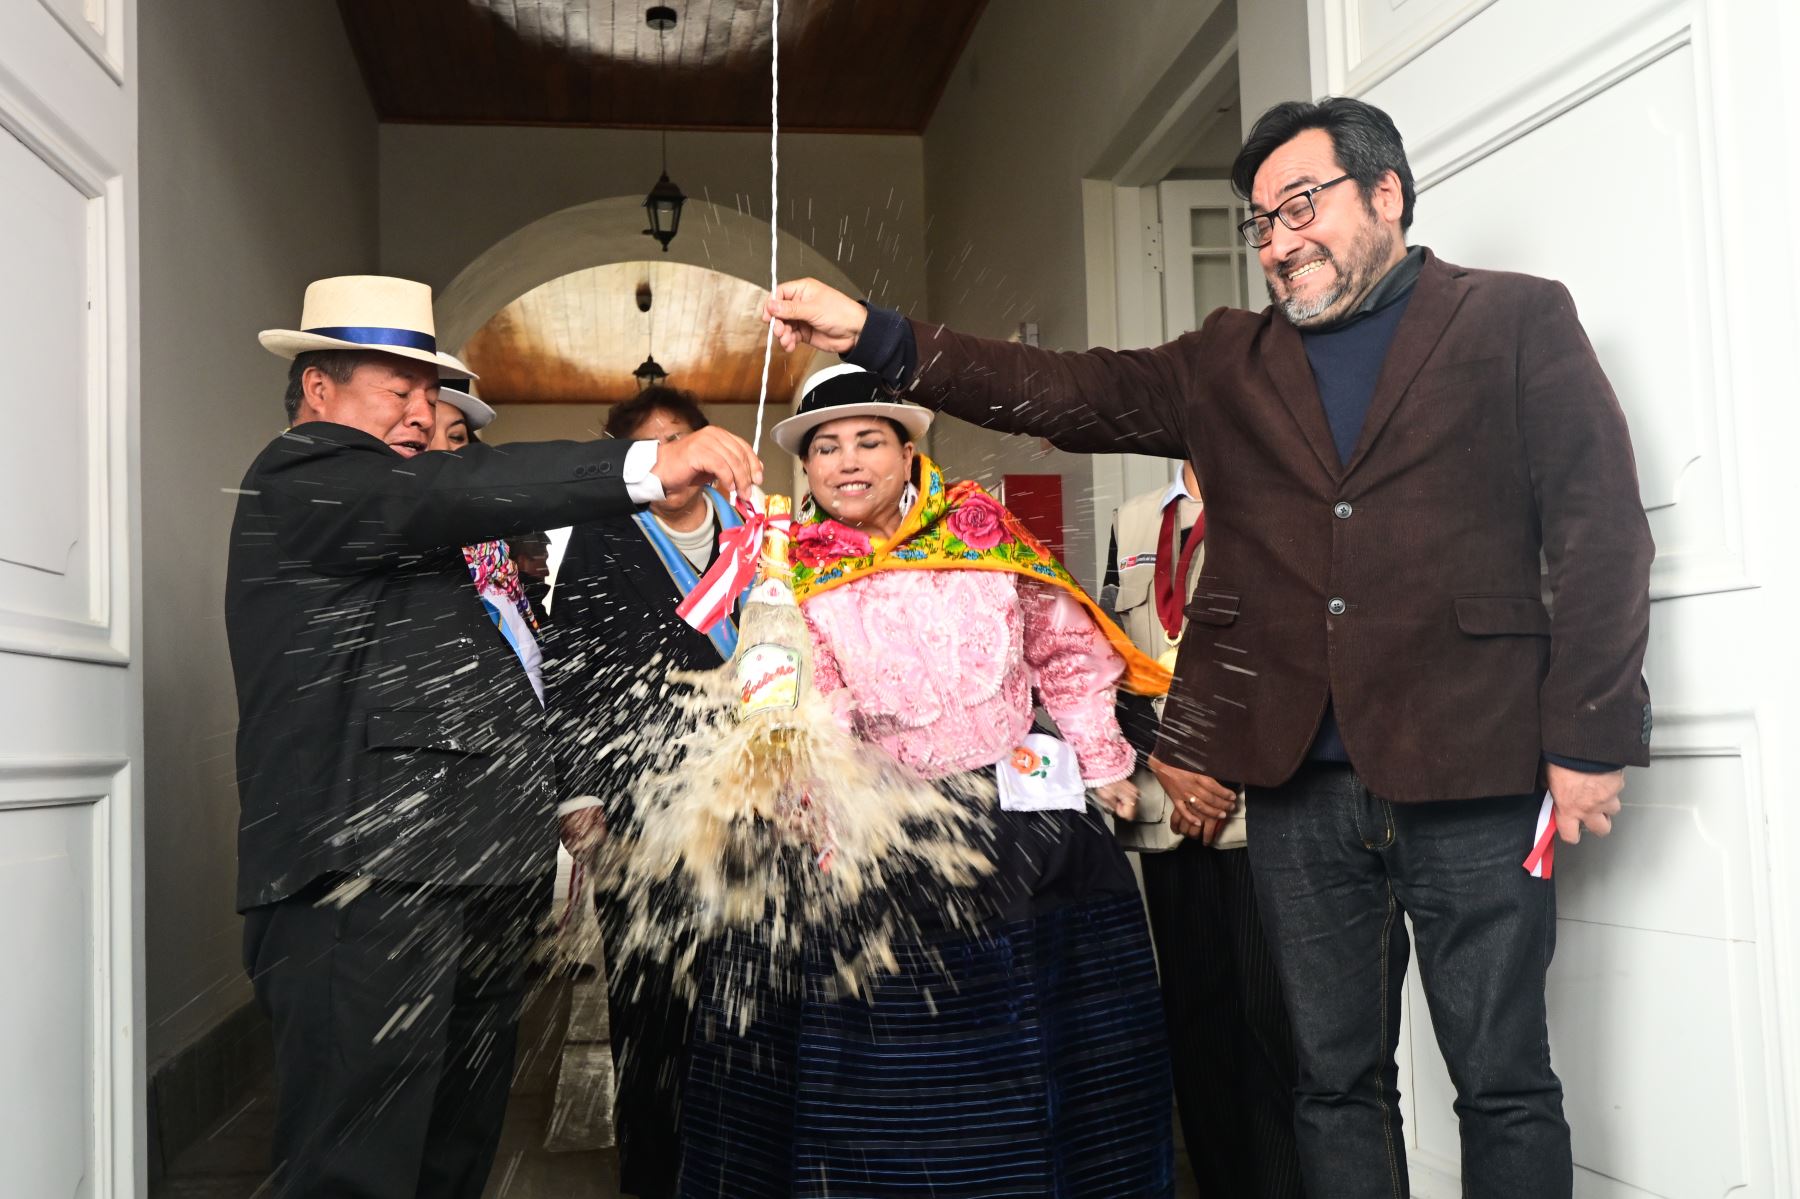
x: 615, y: 626
x: 394, y: 769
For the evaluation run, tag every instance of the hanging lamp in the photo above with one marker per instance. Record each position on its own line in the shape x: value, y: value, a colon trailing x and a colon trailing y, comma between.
x: 649, y: 372
x: 664, y: 202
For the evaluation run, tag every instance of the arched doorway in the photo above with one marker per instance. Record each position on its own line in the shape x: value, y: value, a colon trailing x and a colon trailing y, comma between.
x: 611, y: 231
x: 608, y: 233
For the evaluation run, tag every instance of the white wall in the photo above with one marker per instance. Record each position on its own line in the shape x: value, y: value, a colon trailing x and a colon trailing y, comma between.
x: 258, y: 158
x: 1038, y: 100
x: 1274, y: 55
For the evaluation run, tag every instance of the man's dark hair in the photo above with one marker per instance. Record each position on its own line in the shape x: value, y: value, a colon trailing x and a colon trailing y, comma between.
x: 339, y: 365
x: 1367, y: 143
x: 626, y: 419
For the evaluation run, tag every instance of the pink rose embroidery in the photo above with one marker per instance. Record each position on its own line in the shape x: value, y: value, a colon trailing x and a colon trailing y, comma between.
x: 977, y: 522
x: 824, y: 543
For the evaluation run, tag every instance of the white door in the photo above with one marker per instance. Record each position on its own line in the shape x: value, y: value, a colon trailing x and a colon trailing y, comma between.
x: 71, y: 1003
x: 1638, y: 151
x: 1206, y: 264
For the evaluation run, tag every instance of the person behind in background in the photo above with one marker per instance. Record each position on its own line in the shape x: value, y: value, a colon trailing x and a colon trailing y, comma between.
x: 1394, y: 453
x: 615, y: 630
x: 1016, y: 1045
x: 393, y: 772
x: 499, y: 582
x: 1230, y: 1047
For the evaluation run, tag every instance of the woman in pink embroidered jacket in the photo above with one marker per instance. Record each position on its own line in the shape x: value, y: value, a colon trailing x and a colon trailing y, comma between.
x: 938, y: 667
x: 1019, y: 1046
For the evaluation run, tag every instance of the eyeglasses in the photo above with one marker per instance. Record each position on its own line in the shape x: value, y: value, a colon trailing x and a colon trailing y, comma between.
x: 1296, y: 212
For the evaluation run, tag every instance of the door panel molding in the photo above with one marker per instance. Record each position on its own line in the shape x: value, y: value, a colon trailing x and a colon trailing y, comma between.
x: 66, y: 837
x: 97, y: 26
x: 1521, y: 119
x: 1364, y: 44
x: 74, y: 607
x: 1687, y: 452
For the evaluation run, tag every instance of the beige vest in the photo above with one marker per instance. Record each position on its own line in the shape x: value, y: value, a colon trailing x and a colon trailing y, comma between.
x: 1136, y: 529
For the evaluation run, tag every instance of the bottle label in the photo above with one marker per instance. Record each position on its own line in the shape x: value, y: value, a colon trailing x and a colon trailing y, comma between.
x: 768, y: 679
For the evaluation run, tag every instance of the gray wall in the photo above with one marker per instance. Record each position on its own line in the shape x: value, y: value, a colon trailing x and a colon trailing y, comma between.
x: 1041, y: 93
x: 258, y: 158
x: 1274, y: 57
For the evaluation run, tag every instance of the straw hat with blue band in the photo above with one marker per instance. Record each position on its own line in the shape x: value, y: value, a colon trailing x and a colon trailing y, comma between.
x: 365, y: 312
x: 845, y: 390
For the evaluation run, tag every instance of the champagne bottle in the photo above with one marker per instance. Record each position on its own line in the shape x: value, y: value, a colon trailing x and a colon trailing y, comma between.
x: 773, y: 664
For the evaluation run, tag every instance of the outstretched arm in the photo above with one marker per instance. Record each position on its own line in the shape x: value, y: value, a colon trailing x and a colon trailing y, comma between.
x: 1099, y: 401
x: 344, y: 503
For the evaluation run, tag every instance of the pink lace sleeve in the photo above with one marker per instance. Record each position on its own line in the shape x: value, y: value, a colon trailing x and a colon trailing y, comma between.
x: 828, y: 678
x: 1075, y: 672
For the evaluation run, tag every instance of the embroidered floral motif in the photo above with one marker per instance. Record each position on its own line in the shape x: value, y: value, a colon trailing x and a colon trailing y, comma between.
x: 979, y: 521
x: 962, y: 528
x: 823, y: 543
x: 492, y: 568
x: 1030, y: 764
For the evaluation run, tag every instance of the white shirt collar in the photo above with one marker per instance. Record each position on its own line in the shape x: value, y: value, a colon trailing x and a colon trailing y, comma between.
x: 1177, y: 491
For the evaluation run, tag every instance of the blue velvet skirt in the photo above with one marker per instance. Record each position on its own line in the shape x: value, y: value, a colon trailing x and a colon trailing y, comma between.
x: 1024, y: 1059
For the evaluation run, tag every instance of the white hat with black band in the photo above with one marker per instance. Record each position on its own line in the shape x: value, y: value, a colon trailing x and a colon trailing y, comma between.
x: 845, y: 390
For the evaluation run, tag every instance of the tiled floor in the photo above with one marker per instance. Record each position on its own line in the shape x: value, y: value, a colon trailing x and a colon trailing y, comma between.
x: 231, y: 1162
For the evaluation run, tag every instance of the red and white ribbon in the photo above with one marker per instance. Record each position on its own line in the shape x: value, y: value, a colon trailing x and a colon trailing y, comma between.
x: 1543, y: 851
x: 735, y: 569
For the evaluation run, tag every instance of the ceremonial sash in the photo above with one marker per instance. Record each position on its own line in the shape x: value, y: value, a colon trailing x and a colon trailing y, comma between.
x: 723, y: 634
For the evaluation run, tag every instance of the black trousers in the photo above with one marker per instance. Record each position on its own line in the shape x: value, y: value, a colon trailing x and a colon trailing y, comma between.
x: 1337, y: 868
x: 395, y: 1015
x: 1229, y: 1041
x: 649, y: 1023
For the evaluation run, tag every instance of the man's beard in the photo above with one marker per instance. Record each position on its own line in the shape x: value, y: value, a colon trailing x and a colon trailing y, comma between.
x: 1361, y: 271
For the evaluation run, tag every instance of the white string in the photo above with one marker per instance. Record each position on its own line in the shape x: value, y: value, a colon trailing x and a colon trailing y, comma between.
x: 762, y: 396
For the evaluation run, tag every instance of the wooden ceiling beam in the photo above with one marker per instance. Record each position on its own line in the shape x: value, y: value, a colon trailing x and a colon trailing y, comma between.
x: 875, y: 67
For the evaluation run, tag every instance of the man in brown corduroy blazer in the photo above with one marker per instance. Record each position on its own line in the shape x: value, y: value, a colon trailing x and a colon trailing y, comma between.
x: 1393, y: 453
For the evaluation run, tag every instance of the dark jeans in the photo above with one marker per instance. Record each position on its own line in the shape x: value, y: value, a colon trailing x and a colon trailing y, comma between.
x: 1230, y: 1046
x: 1336, y: 868
x: 396, y: 1023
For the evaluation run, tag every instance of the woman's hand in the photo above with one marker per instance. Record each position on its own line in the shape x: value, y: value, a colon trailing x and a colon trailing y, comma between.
x: 1201, y: 802
x: 1120, y: 798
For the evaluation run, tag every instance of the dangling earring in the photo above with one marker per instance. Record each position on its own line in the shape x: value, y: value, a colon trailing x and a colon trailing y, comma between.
x: 908, y: 498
